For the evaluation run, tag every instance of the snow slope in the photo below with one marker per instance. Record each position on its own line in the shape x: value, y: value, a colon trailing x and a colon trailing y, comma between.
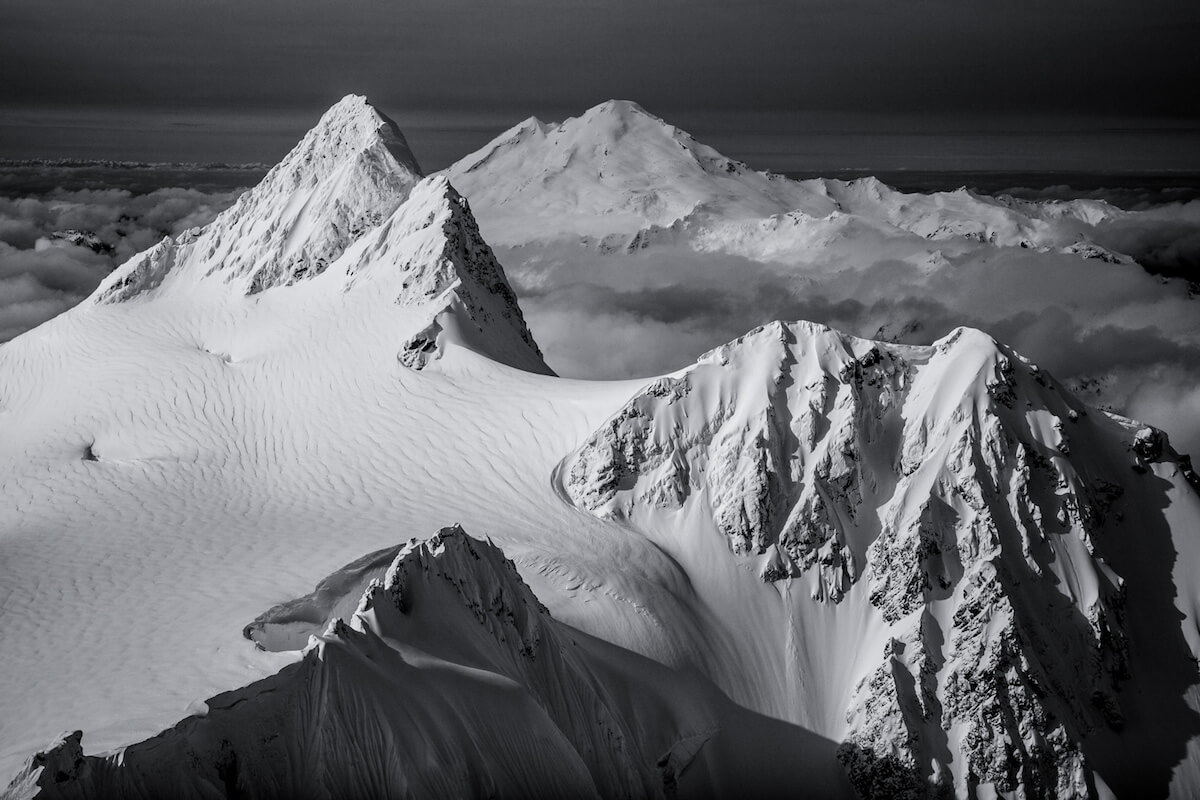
x: 934, y: 558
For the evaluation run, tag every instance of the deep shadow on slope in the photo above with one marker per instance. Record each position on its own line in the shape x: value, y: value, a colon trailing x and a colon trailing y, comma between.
x: 1158, y: 722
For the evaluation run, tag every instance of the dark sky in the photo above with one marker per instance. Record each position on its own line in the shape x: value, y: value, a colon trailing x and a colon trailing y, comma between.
x: 836, y: 80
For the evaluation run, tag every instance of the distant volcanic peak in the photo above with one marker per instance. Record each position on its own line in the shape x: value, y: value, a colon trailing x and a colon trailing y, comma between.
x: 626, y: 124
x: 614, y: 170
x: 342, y: 179
x: 577, y: 140
x: 621, y: 109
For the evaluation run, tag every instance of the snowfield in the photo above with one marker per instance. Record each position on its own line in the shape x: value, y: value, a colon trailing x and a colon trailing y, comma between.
x: 293, y: 506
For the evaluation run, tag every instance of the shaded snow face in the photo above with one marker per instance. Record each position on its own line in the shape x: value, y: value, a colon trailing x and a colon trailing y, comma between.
x: 442, y: 675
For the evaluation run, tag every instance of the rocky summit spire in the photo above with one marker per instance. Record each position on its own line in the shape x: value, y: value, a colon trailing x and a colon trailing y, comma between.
x: 430, y: 257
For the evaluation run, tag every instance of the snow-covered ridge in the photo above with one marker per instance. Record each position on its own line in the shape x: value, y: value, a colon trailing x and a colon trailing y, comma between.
x: 344, y: 177
x: 957, y: 489
x: 450, y: 679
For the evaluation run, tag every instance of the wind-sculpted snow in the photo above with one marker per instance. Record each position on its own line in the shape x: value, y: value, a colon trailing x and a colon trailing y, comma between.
x: 450, y: 679
x: 344, y: 177
x: 958, y: 487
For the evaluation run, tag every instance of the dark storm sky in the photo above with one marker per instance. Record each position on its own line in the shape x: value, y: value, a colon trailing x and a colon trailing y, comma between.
x: 173, y: 80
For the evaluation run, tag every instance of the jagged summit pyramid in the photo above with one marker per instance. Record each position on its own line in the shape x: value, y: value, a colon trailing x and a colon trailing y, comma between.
x: 346, y: 212
x: 344, y: 177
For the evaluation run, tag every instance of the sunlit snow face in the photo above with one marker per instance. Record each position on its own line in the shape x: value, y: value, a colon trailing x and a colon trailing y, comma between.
x: 1120, y: 336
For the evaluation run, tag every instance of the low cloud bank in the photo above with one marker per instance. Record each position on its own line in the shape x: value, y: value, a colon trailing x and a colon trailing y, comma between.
x: 56, y: 248
x: 1127, y: 340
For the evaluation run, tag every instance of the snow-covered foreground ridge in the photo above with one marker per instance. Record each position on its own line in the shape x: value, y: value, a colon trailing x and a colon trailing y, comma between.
x: 450, y: 679
x: 810, y: 562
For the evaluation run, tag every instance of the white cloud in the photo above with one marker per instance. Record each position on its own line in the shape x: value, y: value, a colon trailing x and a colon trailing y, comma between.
x: 40, y: 278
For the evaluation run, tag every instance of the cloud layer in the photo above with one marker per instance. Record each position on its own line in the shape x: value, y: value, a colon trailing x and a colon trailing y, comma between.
x: 42, y: 275
x: 1127, y: 340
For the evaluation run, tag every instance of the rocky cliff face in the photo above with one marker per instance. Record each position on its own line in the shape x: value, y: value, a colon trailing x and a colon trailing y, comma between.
x: 957, y: 489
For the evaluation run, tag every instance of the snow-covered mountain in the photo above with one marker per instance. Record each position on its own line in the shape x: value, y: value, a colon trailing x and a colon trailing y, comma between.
x: 345, y: 214
x: 953, y: 500
x: 613, y: 170
x: 622, y: 177
x: 806, y: 563
x: 590, y: 212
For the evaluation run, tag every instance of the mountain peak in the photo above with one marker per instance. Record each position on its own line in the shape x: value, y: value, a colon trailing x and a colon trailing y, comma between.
x: 431, y: 244
x: 353, y: 125
x: 621, y: 108
x: 344, y: 177
x: 616, y: 169
x: 928, y: 482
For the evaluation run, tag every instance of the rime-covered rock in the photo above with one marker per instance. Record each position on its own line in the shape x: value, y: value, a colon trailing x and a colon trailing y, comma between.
x: 938, y: 484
